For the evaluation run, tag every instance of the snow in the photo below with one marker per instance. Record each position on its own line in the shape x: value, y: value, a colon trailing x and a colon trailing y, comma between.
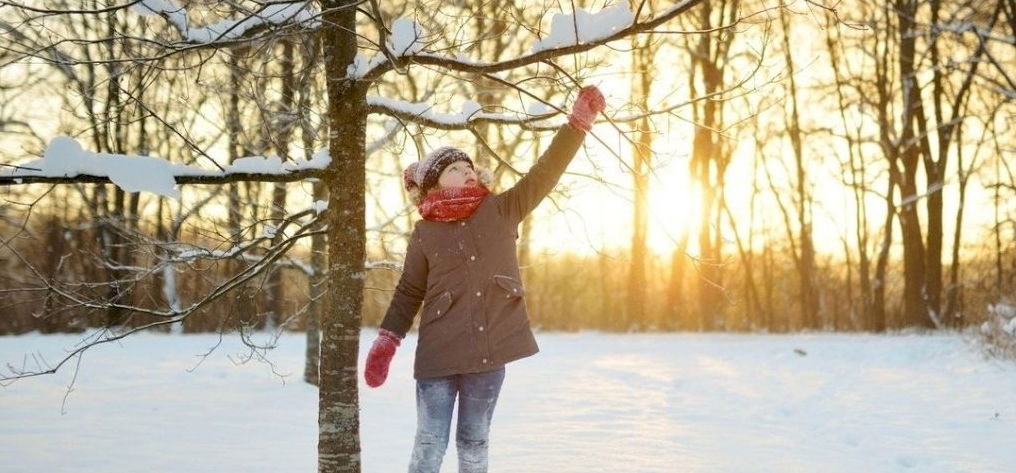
x: 317, y: 207
x: 176, y: 14
x: 64, y: 157
x: 361, y: 65
x: 587, y: 403
x: 1002, y: 310
x: 537, y: 108
x: 674, y: 7
x: 470, y: 110
x: 585, y: 27
x: 319, y: 160
x: 169, y: 287
x: 227, y: 29
x: 1005, y: 316
x: 256, y: 165
x: 274, y: 164
x: 206, y: 253
x: 407, y: 37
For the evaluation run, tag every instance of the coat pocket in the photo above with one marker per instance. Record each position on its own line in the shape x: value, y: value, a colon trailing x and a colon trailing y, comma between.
x: 436, y: 308
x: 512, y: 287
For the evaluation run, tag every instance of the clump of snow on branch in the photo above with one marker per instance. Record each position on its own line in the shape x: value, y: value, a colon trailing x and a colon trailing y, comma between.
x: 537, y: 109
x: 174, y: 13
x: 319, y: 206
x: 585, y: 27
x: 64, y: 157
x: 406, y: 39
x: 206, y: 253
x: 274, y: 164
x: 228, y: 29
x: 470, y: 110
x: 361, y: 65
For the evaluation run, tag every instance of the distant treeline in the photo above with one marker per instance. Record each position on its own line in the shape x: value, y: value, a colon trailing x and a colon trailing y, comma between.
x: 563, y: 291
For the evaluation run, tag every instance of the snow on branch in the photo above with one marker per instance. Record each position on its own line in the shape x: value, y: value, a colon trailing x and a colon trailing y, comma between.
x: 585, y: 27
x: 471, y: 112
x: 407, y: 38
x: 66, y: 161
x: 272, y: 14
x: 570, y: 34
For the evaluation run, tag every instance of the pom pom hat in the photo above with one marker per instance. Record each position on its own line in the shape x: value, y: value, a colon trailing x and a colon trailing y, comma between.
x: 424, y: 174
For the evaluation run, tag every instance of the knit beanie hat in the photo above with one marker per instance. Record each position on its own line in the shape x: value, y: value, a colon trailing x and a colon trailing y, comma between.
x: 424, y: 173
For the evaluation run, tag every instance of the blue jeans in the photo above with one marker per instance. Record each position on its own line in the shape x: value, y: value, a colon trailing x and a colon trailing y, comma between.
x: 435, y: 399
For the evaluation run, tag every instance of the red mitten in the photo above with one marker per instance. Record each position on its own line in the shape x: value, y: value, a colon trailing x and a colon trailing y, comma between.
x: 380, y: 356
x: 587, y: 106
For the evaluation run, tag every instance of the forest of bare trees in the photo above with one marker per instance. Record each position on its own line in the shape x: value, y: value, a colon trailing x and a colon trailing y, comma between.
x: 847, y: 169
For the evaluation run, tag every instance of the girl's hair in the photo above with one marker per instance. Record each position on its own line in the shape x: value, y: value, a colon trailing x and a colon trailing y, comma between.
x: 484, y: 175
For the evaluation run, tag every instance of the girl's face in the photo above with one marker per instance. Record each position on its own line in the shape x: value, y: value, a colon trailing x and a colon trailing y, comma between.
x: 458, y: 174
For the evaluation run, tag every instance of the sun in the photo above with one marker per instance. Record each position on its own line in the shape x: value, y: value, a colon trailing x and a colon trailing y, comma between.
x: 675, y: 208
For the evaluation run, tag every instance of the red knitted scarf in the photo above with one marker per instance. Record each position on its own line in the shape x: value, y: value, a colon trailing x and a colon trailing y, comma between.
x: 449, y: 204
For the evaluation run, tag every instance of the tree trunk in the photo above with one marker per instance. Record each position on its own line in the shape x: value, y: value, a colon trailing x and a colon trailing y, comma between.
x: 317, y: 286
x: 914, y: 288
x: 115, y: 249
x: 675, y: 294
x: 878, y: 309
x: 317, y: 283
x: 242, y: 307
x: 857, y: 186
x: 275, y: 288
x: 642, y: 62
x: 338, y: 411
x: 705, y: 168
x: 806, y: 260
x: 950, y: 314
x: 748, y: 321
x: 997, y: 232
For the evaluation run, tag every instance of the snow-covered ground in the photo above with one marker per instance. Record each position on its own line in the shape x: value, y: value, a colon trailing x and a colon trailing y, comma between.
x: 587, y: 403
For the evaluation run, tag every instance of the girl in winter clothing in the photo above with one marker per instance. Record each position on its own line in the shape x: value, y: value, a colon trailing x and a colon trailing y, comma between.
x: 461, y: 265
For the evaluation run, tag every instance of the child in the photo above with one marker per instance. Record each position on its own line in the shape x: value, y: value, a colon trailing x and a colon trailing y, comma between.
x: 461, y: 264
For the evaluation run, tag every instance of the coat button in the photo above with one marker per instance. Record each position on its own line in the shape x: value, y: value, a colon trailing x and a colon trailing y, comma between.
x: 463, y: 224
x: 472, y: 258
x: 484, y: 360
x: 478, y: 293
x: 481, y: 328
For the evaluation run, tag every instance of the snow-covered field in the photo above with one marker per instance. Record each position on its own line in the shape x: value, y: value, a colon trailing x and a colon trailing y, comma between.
x: 587, y: 403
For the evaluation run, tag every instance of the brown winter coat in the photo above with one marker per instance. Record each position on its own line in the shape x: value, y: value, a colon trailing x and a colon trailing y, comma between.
x: 466, y: 274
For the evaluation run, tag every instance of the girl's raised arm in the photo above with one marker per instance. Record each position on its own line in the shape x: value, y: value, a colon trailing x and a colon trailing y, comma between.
x: 525, y: 195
